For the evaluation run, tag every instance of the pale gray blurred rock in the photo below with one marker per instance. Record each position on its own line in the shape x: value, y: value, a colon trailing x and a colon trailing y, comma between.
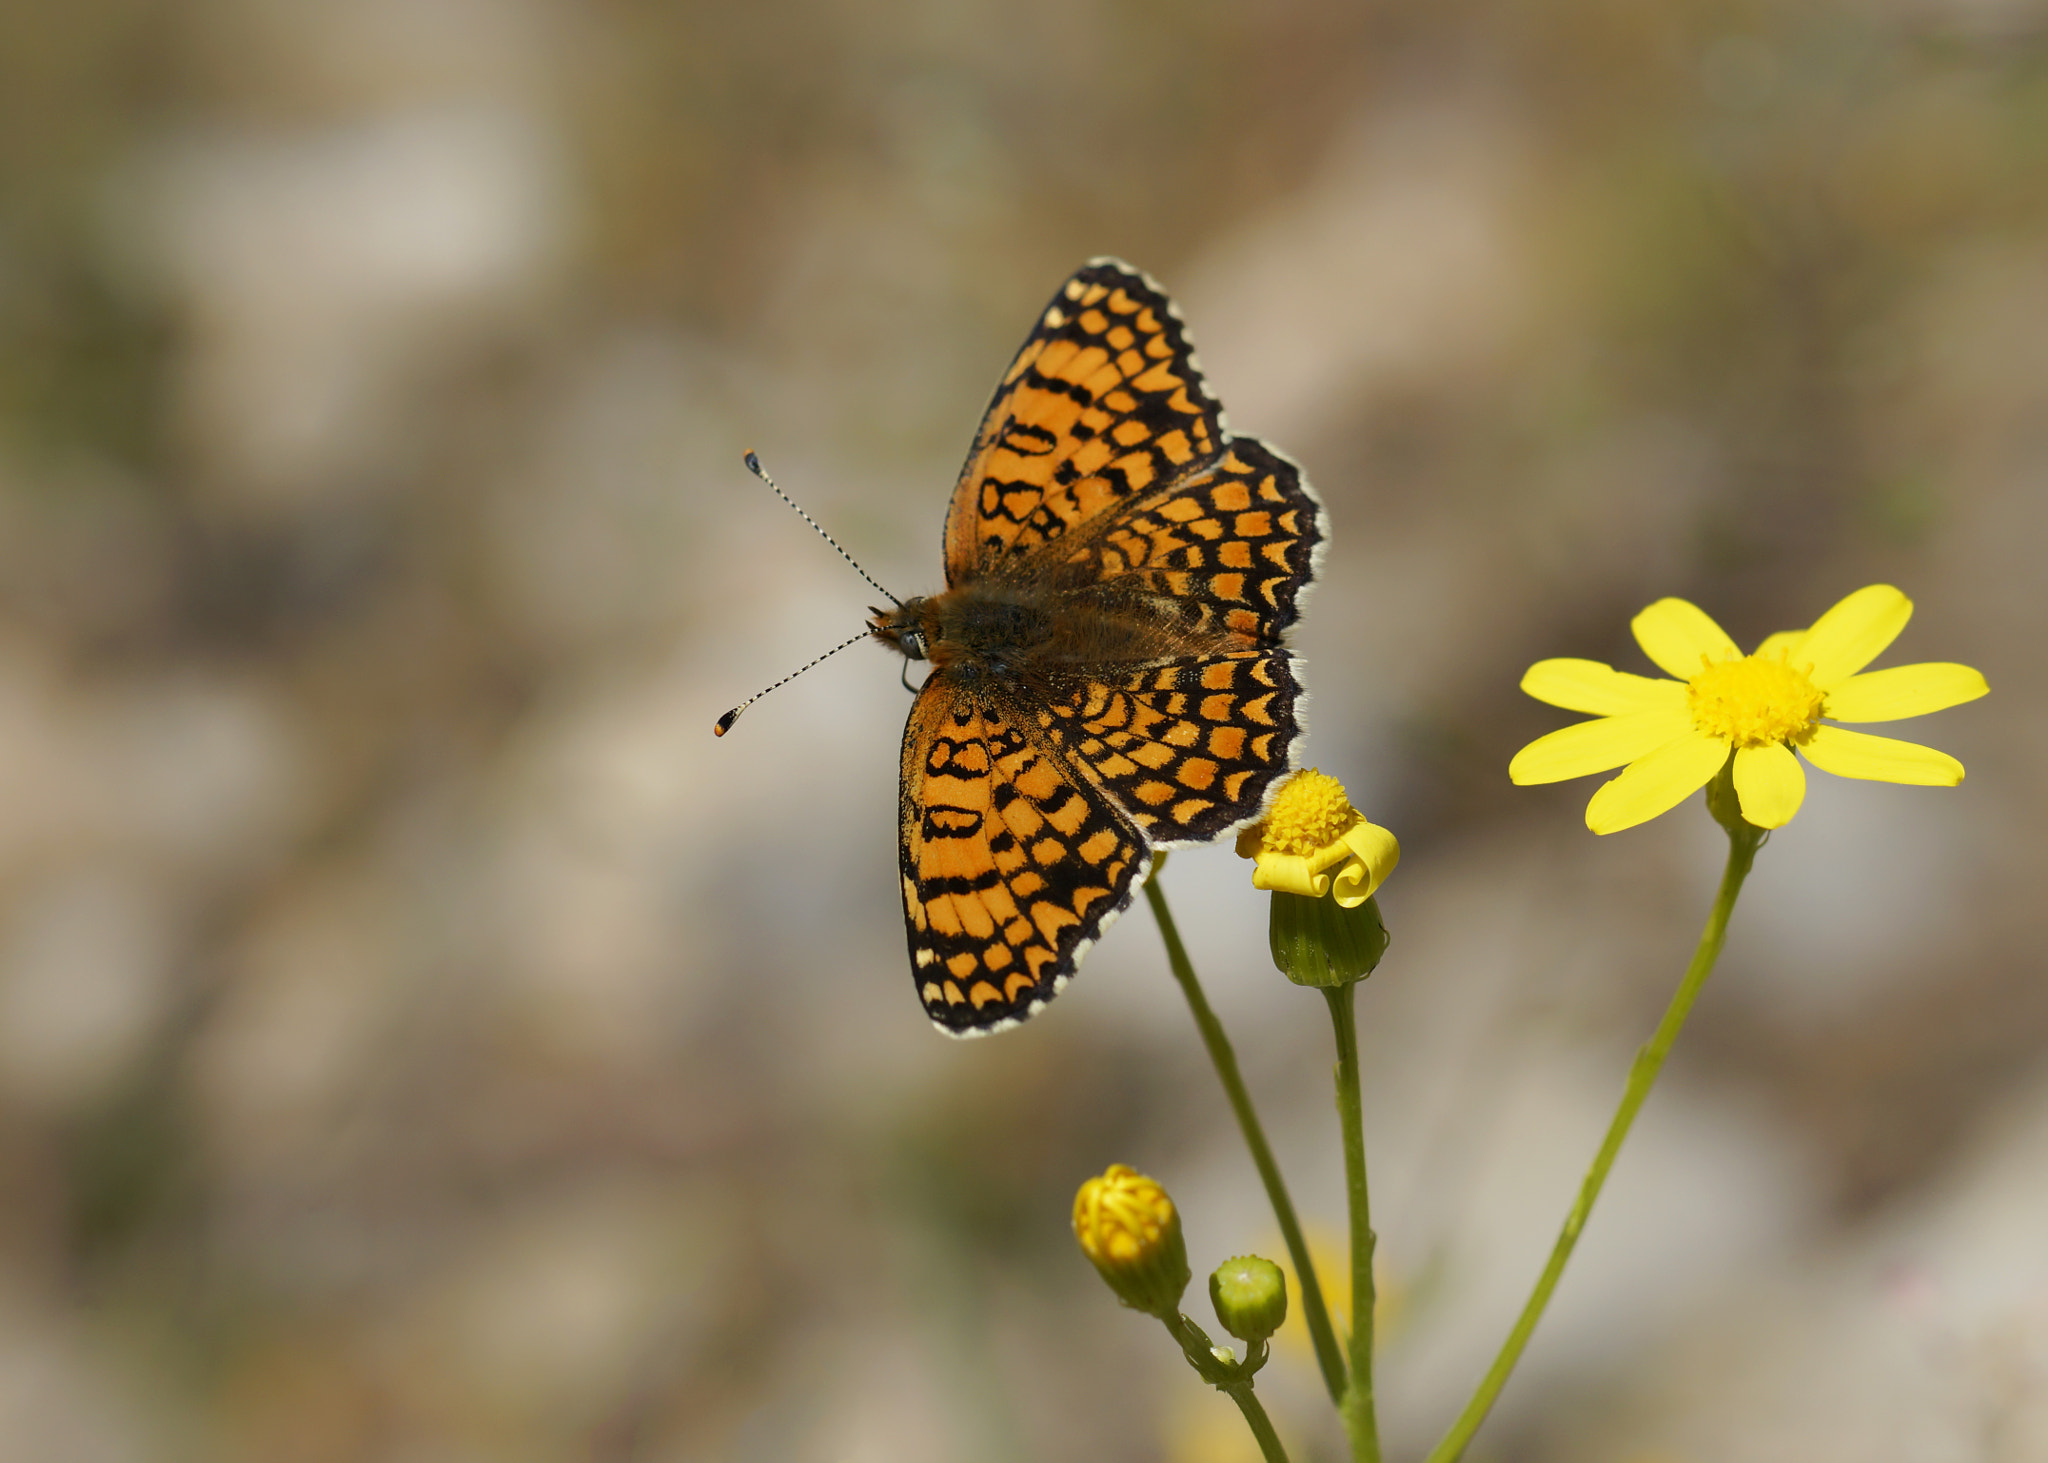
x: 325, y: 272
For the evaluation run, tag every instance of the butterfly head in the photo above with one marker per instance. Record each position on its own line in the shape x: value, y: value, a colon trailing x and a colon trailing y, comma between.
x: 909, y: 627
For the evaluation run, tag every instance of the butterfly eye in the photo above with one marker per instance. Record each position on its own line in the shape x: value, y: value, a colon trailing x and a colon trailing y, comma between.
x: 911, y: 642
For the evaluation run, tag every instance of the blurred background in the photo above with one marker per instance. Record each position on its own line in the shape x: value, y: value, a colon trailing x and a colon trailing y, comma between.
x: 421, y: 1041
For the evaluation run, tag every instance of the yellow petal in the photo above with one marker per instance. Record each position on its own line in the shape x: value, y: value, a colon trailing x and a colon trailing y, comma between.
x: 1770, y: 783
x: 1880, y: 759
x: 1905, y: 690
x: 1854, y: 633
x: 1289, y: 873
x: 1376, y: 851
x: 1597, y: 746
x: 1657, y: 784
x: 1325, y: 859
x: 1587, y: 685
x: 1676, y: 633
x: 1785, y: 641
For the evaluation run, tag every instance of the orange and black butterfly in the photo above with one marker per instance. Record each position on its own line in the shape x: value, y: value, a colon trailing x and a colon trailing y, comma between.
x: 1109, y: 673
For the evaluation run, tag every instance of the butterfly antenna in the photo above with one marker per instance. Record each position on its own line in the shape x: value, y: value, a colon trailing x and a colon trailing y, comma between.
x: 754, y: 467
x: 725, y: 722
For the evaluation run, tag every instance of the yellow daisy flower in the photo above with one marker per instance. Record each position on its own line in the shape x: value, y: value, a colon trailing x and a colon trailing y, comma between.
x: 1673, y: 736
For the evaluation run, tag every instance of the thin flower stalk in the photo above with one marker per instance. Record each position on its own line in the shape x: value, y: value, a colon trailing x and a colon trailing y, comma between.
x: 1233, y: 1379
x: 1361, y: 1420
x: 1329, y: 1356
x: 1743, y: 841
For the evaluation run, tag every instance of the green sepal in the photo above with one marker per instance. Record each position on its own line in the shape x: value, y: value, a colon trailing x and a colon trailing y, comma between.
x: 1722, y: 801
x: 1318, y: 942
x: 1726, y: 806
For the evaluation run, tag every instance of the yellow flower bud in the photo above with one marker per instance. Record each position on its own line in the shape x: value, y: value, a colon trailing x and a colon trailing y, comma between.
x: 1322, y: 861
x: 1314, y: 843
x: 1130, y: 1231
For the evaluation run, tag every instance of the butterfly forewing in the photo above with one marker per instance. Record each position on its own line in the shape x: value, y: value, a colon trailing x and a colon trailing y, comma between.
x: 1104, y: 401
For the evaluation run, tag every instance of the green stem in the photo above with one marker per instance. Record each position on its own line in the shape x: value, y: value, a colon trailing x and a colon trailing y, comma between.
x: 1360, y: 1419
x: 1313, y: 1310
x: 1232, y: 1379
x: 1256, y: 1419
x: 1743, y: 842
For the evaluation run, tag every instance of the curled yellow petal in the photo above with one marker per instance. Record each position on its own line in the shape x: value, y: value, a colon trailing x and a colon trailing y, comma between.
x: 1680, y: 637
x: 1597, y: 746
x: 1373, y: 854
x: 1656, y: 784
x: 1290, y: 873
x: 1771, y: 784
x: 1587, y: 685
x: 1880, y: 759
x: 1784, y: 643
x: 1854, y: 633
x: 1903, y: 691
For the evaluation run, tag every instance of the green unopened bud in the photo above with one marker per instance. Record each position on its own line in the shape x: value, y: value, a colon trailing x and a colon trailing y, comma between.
x: 1250, y: 1297
x: 1130, y: 1231
x: 1318, y: 942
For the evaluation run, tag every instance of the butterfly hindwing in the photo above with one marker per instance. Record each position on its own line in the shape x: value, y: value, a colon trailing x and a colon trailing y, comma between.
x: 1233, y: 545
x: 1011, y: 866
x: 1189, y: 749
x: 1104, y: 401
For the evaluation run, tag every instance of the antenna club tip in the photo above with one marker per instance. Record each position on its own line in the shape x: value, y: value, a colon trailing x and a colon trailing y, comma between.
x: 725, y: 722
x: 752, y: 461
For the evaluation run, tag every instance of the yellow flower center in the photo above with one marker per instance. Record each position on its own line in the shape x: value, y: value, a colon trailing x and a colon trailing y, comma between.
x: 1754, y: 702
x: 1310, y: 813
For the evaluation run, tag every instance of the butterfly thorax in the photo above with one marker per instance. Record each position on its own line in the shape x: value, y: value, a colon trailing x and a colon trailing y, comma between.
x: 991, y: 629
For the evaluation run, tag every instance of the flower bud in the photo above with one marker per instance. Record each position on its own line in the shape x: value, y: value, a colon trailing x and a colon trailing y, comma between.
x: 1312, y: 842
x: 1130, y: 1231
x: 1322, y: 861
x: 1250, y: 1297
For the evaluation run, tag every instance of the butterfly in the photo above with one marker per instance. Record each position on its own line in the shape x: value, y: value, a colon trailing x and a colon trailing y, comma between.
x: 1109, y: 675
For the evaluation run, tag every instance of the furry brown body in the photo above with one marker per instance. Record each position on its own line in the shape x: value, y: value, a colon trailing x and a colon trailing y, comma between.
x: 989, y: 631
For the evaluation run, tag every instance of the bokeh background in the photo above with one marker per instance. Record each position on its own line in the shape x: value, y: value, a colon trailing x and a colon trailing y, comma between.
x: 421, y: 1041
